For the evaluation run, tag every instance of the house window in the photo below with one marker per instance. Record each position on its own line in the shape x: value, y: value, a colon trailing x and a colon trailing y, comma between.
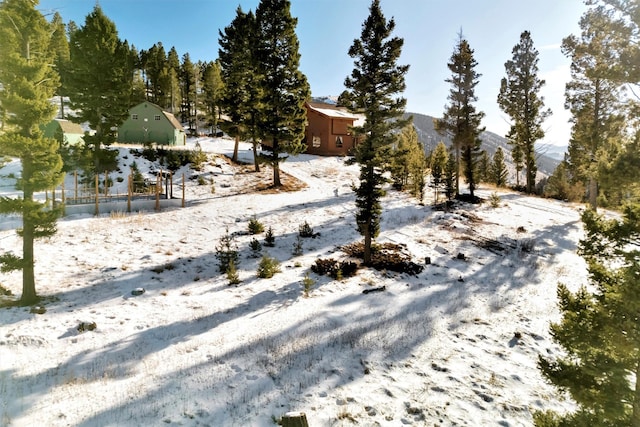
x: 134, y: 117
x: 316, y: 141
x: 156, y: 117
x: 338, y: 141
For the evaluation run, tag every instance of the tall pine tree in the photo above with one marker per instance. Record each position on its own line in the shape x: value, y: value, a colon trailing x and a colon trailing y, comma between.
x: 99, y: 84
x: 173, y: 62
x: 60, y: 47
x: 374, y: 85
x: 461, y: 121
x: 284, y: 87
x: 594, y: 98
x: 599, y: 329
x: 520, y: 98
x: 189, y: 76
x: 242, y: 93
x: 212, y: 89
x: 28, y: 83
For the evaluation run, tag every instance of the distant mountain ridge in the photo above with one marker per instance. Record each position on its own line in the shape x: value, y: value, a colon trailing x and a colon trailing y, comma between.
x: 490, y: 142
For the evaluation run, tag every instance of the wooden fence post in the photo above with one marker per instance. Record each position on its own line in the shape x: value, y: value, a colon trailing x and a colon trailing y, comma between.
x: 97, y: 194
x: 129, y: 190
x: 75, y: 183
x: 158, y: 183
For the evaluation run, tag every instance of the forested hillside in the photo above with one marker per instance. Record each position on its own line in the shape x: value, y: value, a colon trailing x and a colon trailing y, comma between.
x: 490, y: 142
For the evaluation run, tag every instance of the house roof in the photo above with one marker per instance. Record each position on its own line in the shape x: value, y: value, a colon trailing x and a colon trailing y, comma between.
x: 172, y: 119
x: 331, y: 110
x: 70, y: 127
x: 176, y: 124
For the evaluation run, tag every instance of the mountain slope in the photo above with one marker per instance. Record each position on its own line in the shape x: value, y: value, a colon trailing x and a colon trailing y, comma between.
x: 490, y: 142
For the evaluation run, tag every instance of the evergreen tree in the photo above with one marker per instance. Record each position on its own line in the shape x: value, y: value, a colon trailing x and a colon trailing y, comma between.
x: 99, y: 83
x: 593, y: 98
x: 211, y: 93
x: 242, y: 81
x: 517, y: 157
x: 156, y: 68
x: 599, y: 329
x: 60, y: 47
x: 173, y: 62
x: 374, y: 85
x: 499, y: 171
x: 189, y: 92
x: 560, y: 185
x: 28, y: 83
x: 138, y: 86
x: 439, y: 160
x: 416, y: 161
x: 284, y: 87
x: 484, y: 167
x: 399, y: 161
x: 450, y: 177
x: 461, y: 121
x: 520, y: 98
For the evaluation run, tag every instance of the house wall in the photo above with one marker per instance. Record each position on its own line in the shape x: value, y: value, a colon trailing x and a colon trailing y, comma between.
x: 322, y: 135
x: 147, y: 124
x: 51, y: 131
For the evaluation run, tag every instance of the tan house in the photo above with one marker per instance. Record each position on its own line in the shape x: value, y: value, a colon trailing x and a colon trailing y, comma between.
x: 328, y: 131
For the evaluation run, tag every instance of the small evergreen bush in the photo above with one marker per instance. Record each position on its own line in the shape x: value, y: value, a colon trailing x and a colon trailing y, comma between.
x: 494, y: 200
x: 255, y: 246
x: 198, y: 158
x: 232, y: 273
x: 308, y: 283
x: 335, y: 269
x: 268, y: 267
x: 269, y: 238
x: 255, y: 226
x: 305, y: 230
x: 226, y: 252
x: 297, y: 246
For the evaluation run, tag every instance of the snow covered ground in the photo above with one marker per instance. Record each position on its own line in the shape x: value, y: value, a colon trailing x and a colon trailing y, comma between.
x: 457, y: 344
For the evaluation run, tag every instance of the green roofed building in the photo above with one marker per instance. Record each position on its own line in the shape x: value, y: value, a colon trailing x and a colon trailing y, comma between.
x: 150, y: 124
x: 72, y: 133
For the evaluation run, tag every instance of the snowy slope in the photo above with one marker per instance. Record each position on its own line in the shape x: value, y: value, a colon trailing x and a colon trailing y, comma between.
x: 456, y: 344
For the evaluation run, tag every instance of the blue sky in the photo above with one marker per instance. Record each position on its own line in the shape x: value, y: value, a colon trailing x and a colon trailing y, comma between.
x: 326, y: 29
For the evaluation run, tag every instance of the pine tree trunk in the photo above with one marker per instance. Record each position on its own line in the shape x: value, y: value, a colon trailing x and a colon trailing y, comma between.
x: 28, y: 277
x: 234, y: 158
x: 457, y: 170
x: 256, y: 163
x: 366, y: 257
x: 276, y: 174
x: 635, y: 416
x: 276, y: 164
x: 593, y: 193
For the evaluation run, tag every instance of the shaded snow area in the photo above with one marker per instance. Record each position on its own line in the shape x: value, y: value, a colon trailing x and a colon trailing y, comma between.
x: 456, y: 344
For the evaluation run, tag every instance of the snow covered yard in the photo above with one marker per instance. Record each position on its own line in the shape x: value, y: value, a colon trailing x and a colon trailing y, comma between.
x: 456, y: 344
